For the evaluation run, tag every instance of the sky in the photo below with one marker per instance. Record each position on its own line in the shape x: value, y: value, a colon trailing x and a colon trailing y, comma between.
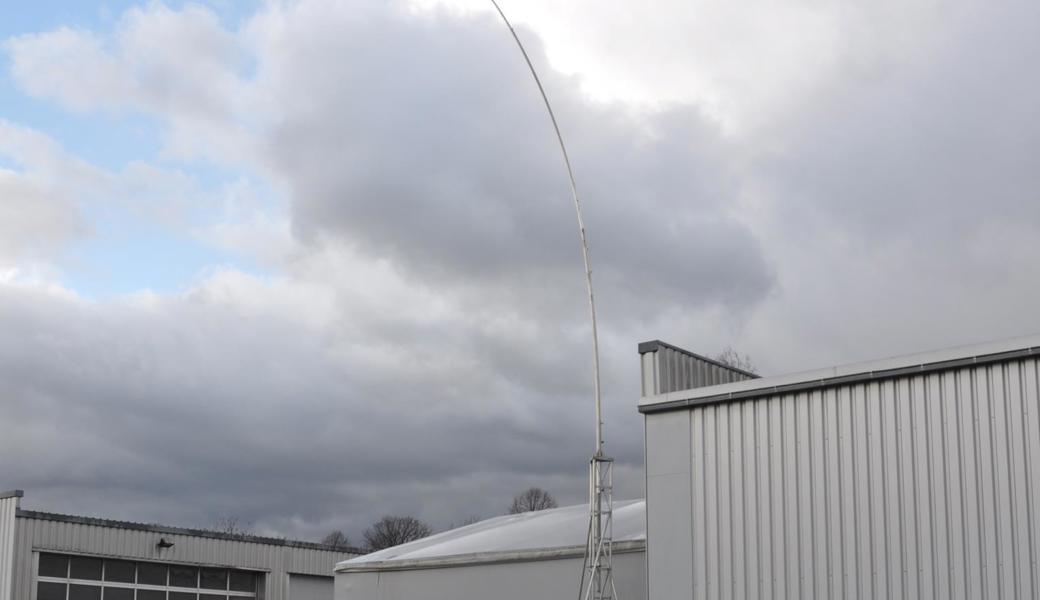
x: 307, y: 263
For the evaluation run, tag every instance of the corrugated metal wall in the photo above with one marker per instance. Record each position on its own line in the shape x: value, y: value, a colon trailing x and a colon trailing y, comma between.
x: 60, y: 536
x: 925, y: 486
x: 666, y: 368
x: 8, y: 509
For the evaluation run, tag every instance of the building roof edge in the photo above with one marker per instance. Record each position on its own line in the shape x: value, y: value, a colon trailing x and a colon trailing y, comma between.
x: 205, y: 533
x: 900, y: 366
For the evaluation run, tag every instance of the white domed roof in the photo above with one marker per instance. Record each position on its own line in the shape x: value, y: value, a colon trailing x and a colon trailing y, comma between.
x: 556, y: 532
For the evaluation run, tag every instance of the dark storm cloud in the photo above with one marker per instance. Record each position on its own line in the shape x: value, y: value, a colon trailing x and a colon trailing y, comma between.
x: 932, y: 145
x: 427, y: 143
x: 913, y: 188
x: 158, y: 402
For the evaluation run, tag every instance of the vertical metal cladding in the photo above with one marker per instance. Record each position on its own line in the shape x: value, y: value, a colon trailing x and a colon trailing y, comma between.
x: 8, y: 511
x: 666, y: 368
x: 922, y: 486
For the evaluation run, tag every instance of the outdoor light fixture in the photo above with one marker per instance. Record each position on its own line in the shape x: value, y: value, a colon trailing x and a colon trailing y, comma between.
x: 164, y: 544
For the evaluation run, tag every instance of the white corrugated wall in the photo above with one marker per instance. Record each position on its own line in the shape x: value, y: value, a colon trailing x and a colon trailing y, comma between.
x: 8, y: 510
x: 924, y: 486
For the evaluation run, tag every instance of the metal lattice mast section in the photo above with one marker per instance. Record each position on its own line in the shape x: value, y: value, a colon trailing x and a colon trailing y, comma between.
x: 597, y: 578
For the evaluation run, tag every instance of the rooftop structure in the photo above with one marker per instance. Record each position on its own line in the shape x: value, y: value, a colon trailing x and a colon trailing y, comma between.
x: 528, y: 555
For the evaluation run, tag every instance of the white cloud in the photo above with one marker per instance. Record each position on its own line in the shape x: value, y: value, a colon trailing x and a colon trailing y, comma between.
x: 38, y: 208
x: 744, y: 63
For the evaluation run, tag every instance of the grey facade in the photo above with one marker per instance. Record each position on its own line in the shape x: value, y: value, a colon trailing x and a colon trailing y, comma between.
x: 914, y: 477
x: 42, y: 554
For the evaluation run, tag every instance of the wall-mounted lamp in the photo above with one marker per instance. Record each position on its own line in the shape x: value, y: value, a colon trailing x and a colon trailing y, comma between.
x: 164, y: 544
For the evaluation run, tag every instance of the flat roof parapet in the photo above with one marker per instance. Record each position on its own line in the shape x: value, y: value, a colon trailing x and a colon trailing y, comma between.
x: 876, y: 370
x: 667, y: 368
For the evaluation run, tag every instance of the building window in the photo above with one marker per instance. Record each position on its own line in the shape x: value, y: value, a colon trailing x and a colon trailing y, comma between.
x: 63, y: 577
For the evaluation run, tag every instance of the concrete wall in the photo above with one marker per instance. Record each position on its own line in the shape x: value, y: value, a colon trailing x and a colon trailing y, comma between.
x: 541, y: 580
x: 919, y: 485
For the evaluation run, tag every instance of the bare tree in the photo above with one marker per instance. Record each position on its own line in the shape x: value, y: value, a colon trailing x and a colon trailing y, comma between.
x: 231, y: 525
x: 532, y: 499
x: 337, y: 539
x: 732, y: 358
x: 391, y: 531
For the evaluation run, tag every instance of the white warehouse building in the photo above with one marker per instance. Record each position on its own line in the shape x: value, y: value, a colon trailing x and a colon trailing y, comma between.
x: 911, y: 477
x: 535, y: 555
x: 47, y: 556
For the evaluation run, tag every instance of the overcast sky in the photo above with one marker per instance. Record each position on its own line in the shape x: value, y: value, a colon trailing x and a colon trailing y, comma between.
x: 309, y: 263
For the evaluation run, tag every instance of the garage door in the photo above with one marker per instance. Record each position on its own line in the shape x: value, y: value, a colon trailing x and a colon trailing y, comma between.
x: 63, y: 577
x: 310, y: 587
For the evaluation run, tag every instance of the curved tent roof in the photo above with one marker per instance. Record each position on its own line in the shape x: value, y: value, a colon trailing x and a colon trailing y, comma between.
x: 544, y: 534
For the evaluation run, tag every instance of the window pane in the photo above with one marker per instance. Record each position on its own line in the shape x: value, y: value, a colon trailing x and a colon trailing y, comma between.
x: 211, y: 597
x: 50, y: 591
x: 184, y: 577
x: 112, y: 593
x: 85, y: 568
x: 213, y: 579
x: 183, y: 596
x: 151, y: 574
x: 52, y: 565
x: 151, y: 595
x: 84, y: 592
x: 119, y: 570
x: 243, y: 581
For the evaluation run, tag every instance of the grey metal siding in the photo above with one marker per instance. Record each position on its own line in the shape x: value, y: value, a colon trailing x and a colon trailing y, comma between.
x: 34, y: 535
x: 923, y: 486
x: 666, y: 368
x: 8, y: 510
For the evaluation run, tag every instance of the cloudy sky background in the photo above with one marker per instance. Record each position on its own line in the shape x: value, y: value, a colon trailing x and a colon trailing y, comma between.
x: 309, y: 263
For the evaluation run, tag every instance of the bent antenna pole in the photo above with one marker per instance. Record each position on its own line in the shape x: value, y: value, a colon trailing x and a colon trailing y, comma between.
x: 581, y: 229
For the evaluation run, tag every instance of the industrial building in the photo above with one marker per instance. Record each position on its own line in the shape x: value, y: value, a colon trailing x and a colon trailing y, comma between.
x: 911, y: 477
x: 46, y: 556
x: 513, y: 557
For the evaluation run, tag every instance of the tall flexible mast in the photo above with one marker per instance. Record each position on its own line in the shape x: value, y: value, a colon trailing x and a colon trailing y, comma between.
x: 581, y: 228
x: 597, y: 578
